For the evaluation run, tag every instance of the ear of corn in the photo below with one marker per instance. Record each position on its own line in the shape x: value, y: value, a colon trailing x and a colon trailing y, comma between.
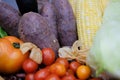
x: 88, y: 15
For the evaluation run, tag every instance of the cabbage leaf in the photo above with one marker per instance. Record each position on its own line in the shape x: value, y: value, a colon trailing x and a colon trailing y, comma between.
x: 105, y: 52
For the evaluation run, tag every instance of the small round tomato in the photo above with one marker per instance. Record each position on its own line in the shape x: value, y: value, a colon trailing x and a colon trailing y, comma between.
x: 83, y: 72
x: 29, y: 76
x: 63, y: 61
x: 29, y: 66
x: 52, y: 77
x: 69, y: 77
x: 58, y: 69
x: 41, y: 74
x: 74, y: 65
x: 48, y: 56
x: 69, y: 72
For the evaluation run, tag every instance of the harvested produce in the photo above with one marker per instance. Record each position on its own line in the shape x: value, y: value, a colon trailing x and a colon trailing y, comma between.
x: 67, y: 31
x: 58, y: 68
x: 83, y: 72
x: 40, y: 4
x: 34, y: 28
x: 63, y: 61
x: 89, y: 14
x: 29, y: 76
x: 9, y: 19
x: 11, y: 57
x: 48, y: 11
x: 52, y: 77
x: 104, y: 55
x: 41, y: 74
x: 48, y: 56
x: 29, y: 66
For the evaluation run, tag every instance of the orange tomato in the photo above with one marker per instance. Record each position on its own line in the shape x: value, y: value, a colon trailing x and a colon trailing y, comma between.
x: 41, y: 74
x: 58, y: 69
x: 68, y: 77
x: 74, y: 65
x: 11, y: 57
x: 52, y: 77
x: 63, y: 61
x: 83, y: 72
x: 48, y: 56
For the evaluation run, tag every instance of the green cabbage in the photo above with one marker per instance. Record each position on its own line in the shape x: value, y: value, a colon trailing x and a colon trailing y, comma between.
x: 105, y: 52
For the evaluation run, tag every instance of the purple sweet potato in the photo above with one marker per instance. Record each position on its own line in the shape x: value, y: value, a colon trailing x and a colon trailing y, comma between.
x: 67, y: 30
x: 40, y: 4
x: 49, y: 12
x: 9, y: 18
x: 34, y: 28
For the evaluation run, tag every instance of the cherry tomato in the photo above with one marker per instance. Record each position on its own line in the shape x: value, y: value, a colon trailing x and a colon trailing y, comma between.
x: 29, y: 76
x: 83, y: 72
x: 42, y: 74
x: 74, y: 65
x: 52, y: 77
x: 69, y: 77
x: 69, y: 71
x: 58, y: 69
x: 29, y: 66
x: 63, y: 61
x: 48, y: 56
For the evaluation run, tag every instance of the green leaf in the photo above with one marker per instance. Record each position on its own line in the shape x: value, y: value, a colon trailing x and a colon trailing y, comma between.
x: 2, y: 33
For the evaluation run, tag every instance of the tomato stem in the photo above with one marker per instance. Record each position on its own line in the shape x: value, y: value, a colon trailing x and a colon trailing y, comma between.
x: 16, y: 45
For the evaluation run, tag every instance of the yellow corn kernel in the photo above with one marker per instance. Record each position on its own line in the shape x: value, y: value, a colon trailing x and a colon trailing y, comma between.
x: 88, y: 17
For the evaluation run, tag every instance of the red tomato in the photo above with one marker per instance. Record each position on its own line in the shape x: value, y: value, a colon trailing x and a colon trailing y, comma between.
x: 52, y: 77
x: 29, y: 66
x: 41, y: 74
x: 69, y: 77
x: 29, y: 76
x: 48, y: 56
x: 58, y: 69
x: 70, y: 71
x: 74, y: 65
x: 63, y: 61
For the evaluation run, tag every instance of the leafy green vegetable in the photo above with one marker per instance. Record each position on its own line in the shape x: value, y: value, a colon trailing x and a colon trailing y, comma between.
x: 2, y: 33
x: 105, y: 52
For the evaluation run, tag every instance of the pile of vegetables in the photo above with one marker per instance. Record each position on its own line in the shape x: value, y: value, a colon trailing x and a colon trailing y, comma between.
x: 46, y: 42
x: 53, y: 26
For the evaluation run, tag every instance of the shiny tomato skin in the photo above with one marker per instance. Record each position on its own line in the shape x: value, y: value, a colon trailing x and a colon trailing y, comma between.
x: 48, y: 56
x: 41, y: 74
x: 74, y: 65
x: 11, y: 58
x: 29, y: 66
x: 52, y: 77
x: 69, y: 77
x: 63, y: 61
x: 29, y: 76
x: 58, y: 69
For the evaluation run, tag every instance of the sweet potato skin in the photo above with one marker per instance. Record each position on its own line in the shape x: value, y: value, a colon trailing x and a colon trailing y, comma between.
x: 48, y: 11
x: 9, y: 19
x: 67, y: 31
x: 34, y: 28
x: 40, y: 4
